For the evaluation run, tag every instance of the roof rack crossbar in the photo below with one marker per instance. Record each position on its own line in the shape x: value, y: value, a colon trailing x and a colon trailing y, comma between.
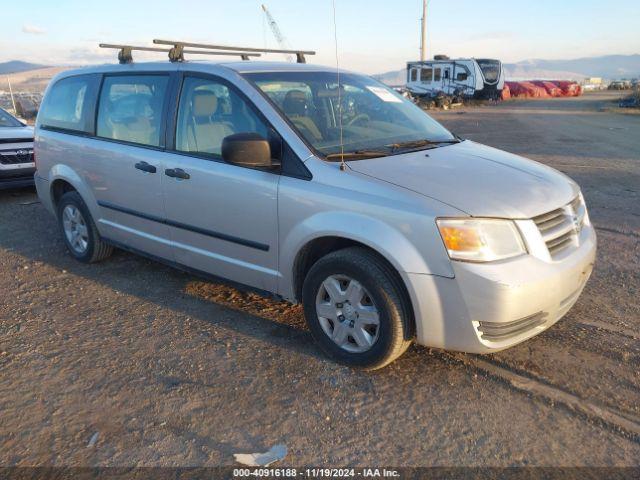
x: 300, y: 54
x: 175, y: 55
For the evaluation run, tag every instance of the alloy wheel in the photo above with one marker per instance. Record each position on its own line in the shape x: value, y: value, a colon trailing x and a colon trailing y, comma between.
x: 75, y: 229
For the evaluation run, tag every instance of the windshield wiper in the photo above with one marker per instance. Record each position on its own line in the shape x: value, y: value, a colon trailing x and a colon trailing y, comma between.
x: 390, y: 149
x: 357, y: 155
x: 419, y: 144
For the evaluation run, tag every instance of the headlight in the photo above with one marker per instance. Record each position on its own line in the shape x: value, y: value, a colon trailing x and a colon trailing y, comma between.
x: 480, y: 240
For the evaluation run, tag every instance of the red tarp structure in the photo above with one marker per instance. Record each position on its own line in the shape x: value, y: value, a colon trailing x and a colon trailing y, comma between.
x: 541, y: 89
x: 552, y: 89
x: 506, y: 93
x: 569, y: 89
x: 526, y: 90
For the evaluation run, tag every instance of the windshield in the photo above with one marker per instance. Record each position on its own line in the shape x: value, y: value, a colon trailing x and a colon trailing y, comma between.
x: 490, y: 69
x: 374, y: 118
x: 7, y: 120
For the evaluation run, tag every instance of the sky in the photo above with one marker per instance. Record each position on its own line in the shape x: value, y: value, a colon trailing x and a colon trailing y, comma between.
x: 373, y: 36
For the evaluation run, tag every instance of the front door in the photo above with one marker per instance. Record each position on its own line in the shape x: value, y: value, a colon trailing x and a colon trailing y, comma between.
x: 222, y: 218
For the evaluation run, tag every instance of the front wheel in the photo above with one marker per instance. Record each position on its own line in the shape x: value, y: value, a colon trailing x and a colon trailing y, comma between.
x: 356, y: 309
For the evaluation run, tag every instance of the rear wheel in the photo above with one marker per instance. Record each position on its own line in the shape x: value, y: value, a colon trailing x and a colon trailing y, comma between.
x: 356, y: 309
x: 79, y: 231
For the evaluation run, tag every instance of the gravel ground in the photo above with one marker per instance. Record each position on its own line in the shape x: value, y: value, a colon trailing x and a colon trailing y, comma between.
x: 170, y: 370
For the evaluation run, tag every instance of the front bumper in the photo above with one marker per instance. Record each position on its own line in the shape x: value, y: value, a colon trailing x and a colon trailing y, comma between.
x: 17, y: 176
x: 492, y: 306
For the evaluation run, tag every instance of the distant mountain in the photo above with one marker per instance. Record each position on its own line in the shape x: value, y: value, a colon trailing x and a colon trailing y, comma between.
x: 15, y: 66
x: 394, y: 77
x: 608, y: 66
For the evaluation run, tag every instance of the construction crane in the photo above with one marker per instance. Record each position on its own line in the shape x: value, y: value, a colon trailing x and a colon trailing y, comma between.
x: 276, y: 32
x: 423, y: 39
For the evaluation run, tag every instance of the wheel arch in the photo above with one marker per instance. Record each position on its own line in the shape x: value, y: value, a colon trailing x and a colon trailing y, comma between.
x: 62, y: 179
x: 58, y: 188
x: 336, y: 229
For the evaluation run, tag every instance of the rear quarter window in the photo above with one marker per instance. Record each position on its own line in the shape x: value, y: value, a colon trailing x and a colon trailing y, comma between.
x: 69, y: 105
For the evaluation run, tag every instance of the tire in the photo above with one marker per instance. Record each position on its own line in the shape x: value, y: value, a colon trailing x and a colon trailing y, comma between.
x: 382, y: 294
x: 95, y: 249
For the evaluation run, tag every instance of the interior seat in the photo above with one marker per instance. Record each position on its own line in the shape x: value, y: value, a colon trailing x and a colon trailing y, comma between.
x: 296, y: 107
x: 204, y: 134
x: 127, y: 119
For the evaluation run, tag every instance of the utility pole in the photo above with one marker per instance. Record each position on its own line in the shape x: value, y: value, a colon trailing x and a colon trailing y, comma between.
x: 15, y: 112
x: 423, y: 45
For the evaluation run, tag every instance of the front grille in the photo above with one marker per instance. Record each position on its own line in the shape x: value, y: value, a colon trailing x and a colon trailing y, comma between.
x: 560, y: 228
x: 496, y: 331
x: 16, y: 140
x: 560, y: 243
x: 13, y: 157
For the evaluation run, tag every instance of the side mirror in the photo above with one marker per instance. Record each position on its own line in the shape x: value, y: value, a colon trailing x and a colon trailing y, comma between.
x: 247, y: 150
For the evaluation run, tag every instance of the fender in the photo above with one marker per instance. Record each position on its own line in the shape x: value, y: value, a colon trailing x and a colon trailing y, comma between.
x: 66, y: 173
x: 378, y: 235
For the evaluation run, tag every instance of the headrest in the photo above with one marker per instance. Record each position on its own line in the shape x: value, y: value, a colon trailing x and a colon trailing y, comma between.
x: 295, y: 103
x: 204, y: 103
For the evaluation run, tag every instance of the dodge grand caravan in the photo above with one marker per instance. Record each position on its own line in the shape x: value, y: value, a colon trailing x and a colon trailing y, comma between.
x: 329, y: 190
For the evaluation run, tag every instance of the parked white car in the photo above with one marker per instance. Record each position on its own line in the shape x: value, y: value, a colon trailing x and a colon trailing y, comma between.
x: 16, y: 152
x: 235, y: 170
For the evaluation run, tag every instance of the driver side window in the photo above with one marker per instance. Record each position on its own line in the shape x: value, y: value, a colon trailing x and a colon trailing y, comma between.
x: 208, y: 112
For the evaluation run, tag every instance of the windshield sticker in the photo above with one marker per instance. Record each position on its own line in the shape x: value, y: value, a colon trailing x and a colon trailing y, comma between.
x: 384, y: 94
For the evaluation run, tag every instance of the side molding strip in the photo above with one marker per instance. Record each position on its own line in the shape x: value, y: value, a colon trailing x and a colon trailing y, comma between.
x: 191, y: 228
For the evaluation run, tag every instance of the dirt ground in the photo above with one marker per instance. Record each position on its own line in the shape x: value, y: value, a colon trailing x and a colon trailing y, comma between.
x: 170, y: 370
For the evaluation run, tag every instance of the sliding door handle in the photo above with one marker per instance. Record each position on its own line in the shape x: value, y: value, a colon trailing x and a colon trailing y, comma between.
x: 145, y: 167
x: 177, y: 173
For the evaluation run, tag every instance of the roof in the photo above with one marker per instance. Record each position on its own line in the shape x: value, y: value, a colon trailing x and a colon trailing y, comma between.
x: 451, y: 60
x: 247, y: 66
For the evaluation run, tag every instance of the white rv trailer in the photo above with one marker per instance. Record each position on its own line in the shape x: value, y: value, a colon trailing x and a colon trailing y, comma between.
x: 468, y: 77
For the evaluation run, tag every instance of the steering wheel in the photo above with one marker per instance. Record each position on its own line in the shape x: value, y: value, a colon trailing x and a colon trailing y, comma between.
x: 361, y: 117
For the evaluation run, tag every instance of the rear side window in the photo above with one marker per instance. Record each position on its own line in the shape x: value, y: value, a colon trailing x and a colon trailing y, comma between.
x: 69, y: 104
x: 130, y: 108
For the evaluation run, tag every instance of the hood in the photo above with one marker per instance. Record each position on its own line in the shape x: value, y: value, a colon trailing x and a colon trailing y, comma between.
x: 16, y: 133
x: 479, y: 180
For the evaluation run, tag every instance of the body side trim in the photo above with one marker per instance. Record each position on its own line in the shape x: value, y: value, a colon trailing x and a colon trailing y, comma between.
x: 183, y: 226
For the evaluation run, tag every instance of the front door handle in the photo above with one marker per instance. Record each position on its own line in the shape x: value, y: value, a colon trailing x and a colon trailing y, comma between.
x: 145, y: 167
x: 177, y: 173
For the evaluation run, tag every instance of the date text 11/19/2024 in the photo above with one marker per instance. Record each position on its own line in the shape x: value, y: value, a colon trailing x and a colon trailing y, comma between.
x: 315, y: 472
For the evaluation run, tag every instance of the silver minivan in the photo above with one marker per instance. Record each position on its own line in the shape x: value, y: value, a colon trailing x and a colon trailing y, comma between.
x: 330, y: 190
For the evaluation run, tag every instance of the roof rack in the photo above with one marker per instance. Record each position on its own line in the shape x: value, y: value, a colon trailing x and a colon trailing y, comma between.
x: 179, y: 46
x: 175, y: 54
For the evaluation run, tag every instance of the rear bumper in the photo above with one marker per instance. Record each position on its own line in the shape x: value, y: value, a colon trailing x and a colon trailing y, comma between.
x: 493, y: 306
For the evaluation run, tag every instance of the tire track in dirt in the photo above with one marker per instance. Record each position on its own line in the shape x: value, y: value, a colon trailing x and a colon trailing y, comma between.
x: 627, y: 332
x: 625, y: 423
